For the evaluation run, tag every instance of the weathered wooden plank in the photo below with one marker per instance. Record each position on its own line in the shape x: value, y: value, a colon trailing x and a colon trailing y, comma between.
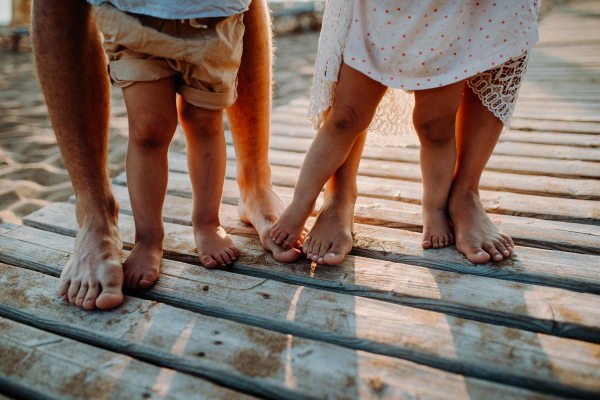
x: 483, y: 299
x: 430, y: 338
x: 558, y: 209
x: 562, y: 161
x: 261, y: 361
x: 490, y: 180
x: 551, y: 268
x: 553, y: 235
x: 38, y: 364
x: 267, y: 362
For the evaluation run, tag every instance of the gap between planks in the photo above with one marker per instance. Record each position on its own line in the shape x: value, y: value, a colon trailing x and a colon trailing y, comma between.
x: 536, y: 308
x: 40, y: 365
x: 561, y: 366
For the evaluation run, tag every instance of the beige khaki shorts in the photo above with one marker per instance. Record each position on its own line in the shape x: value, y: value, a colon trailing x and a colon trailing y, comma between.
x: 204, y: 54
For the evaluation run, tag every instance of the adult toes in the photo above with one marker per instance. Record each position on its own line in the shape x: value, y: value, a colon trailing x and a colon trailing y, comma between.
x: 324, y: 249
x: 427, y: 241
x: 89, y: 303
x: 509, y: 239
x: 492, y: 251
x: 110, y: 297
x: 63, y: 288
x: 441, y: 242
x: 306, y: 244
x: 73, y: 291
x: 208, y: 261
x: 284, y: 255
x: 83, y: 289
x: 506, y: 245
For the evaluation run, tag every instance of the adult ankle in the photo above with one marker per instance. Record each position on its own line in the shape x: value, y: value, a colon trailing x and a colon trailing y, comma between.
x: 106, y: 206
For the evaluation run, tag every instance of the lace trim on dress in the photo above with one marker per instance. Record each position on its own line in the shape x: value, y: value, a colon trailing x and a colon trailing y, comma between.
x: 336, y: 22
x: 498, y: 88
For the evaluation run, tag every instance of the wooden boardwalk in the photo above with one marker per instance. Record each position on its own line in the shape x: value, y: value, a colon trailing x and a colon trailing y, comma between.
x: 392, y: 321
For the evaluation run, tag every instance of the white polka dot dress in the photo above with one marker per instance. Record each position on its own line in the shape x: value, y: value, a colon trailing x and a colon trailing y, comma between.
x: 414, y: 45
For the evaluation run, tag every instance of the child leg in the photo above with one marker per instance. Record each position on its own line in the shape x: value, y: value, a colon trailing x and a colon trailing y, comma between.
x: 477, y: 133
x: 356, y: 100
x: 434, y: 118
x: 152, y: 122
x: 207, y: 158
x: 330, y: 239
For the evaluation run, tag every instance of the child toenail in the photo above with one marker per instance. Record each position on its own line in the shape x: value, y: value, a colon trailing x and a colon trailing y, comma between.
x: 320, y: 259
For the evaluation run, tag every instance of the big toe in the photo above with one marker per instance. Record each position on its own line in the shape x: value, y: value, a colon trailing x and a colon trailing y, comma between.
x: 208, y: 262
x: 148, y: 280
x: 286, y: 255
x: 477, y: 256
x: 338, y: 252
x: 109, y: 299
x: 427, y: 241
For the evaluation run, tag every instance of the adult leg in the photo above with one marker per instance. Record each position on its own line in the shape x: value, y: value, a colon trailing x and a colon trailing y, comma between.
x: 207, y: 160
x: 356, y: 100
x: 478, y: 130
x: 64, y: 33
x: 249, y: 119
x: 434, y: 118
x: 330, y: 239
x: 152, y: 122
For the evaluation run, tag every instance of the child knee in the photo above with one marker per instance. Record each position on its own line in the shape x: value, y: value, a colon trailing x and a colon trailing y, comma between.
x: 347, y: 120
x: 152, y: 132
x: 435, y: 127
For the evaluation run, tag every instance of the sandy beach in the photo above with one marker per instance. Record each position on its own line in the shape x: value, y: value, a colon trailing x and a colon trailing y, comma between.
x: 32, y: 173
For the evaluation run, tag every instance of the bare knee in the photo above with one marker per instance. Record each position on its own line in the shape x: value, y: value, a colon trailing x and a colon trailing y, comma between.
x: 193, y: 119
x: 434, y: 127
x: 152, y: 132
x: 347, y: 120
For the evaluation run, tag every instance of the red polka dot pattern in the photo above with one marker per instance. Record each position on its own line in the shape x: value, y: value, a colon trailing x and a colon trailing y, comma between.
x: 436, y: 42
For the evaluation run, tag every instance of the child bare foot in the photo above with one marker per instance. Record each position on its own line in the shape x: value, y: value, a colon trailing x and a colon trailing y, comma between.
x: 215, y: 247
x: 330, y: 239
x: 288, y: 229
x: 476, y: 236
x: 143, y: 264
x: 437, y: 232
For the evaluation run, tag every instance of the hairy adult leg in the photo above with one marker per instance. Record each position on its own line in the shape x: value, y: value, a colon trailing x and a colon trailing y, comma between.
x: 152, y: 121
x: 249, y: 120
x: 207, y: 160
x: 478, y: 130
x: 356, y: 100
x: 434, y: 118
x: 330, y: 239
x: 71, y: 67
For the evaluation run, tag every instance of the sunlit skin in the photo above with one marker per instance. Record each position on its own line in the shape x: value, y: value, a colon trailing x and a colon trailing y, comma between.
x: 457, y: 135
x: 79, y: 114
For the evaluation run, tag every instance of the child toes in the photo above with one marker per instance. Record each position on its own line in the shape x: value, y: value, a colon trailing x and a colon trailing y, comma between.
x: 427, y: 241
x: 232, y: 254
x: 208, y: 261
x: 492, y: 251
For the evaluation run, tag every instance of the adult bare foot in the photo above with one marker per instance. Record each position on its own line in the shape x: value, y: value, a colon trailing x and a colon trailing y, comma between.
x: 437, y: 232
x: 330, y: 239
x: 143, y: 264
x: 261, y: 207
x: 93, y: 276
x: 215, y: 248
x: 476, y: 235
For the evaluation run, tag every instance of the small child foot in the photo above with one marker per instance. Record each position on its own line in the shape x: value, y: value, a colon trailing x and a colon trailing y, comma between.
x: 476, y: 235
x: 215, y: 248
x: 437, y: 232
x: 143, y: 264
x: 330, y: 239
x: 288, y: 229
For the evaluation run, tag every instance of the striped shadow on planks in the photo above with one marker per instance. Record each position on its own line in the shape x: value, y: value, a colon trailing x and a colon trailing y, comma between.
x: 497, y: 202
x: 36, y: 364
x: 264, y: 362
x: 560, y: 366
x: 535, y: 308
x: 553, y: 235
